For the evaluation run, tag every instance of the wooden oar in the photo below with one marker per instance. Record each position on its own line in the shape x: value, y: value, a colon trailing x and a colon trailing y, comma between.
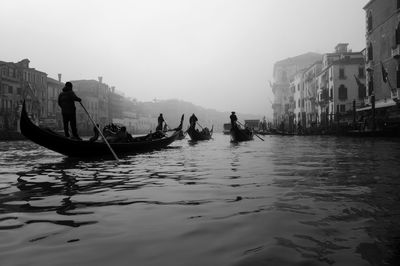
x: 101, y: 133
x: 199, y: 125
x: 253, y: 131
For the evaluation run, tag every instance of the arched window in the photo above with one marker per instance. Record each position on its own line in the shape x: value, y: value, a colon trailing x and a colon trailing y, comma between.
x: 369, y: 21
x: 370, y: 52
x: 397, y: 36
x: 342, y: 93
x: 398, y: 4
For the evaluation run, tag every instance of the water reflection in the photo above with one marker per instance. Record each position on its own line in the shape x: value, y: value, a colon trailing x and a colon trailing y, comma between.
x: 285, y: 201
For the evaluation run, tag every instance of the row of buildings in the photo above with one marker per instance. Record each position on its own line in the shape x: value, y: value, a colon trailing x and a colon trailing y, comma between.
x: 317, y: 90
x: 19, y: 82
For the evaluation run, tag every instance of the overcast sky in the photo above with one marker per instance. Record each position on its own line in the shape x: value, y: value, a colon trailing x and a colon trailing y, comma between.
x: 214, y: 53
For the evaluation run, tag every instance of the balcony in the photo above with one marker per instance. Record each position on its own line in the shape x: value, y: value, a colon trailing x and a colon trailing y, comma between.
x: 396, y: 52
x: 369, y: 66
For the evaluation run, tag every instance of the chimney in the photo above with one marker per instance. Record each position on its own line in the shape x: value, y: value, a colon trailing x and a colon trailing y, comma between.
x: 59, y: 77
x: 100, y: 80
x: 113, y: 89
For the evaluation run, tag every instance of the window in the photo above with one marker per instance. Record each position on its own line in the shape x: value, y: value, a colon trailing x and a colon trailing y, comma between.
x: 19, y: 91
x: 11, y: 72
x: 369, y: 21
x: 331, y: 93
x: 341, y: 73
x: 370, y: 52
x: 397, y: 35
x: 342, y: 93
x: 342, y: 108
x: 10, y: 89
x: 362, y: 92
x: 361, y: 72
x: 398, y: 4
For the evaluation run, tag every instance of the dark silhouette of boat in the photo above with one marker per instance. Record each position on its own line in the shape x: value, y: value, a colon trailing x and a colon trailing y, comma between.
x: 196, y: 135
x: 84, y: 148
x: 239, y: 134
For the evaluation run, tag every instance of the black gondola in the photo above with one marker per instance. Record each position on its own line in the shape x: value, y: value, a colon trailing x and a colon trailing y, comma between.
x: 239, y: 134
x: 83, y: 148
x: 196, y: 135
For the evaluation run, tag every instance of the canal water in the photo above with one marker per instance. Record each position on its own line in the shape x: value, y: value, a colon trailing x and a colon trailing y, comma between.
x: 287, y: 200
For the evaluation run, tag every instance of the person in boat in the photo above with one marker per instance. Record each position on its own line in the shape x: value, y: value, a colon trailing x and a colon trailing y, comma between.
x: 121, y: 136
x: 96, y: 133
x: 193, y: 120
x: 160, y: 122
x: 165, y: 129
x: 66, y: 100
x: 234, y: 119
x: 206, y: 131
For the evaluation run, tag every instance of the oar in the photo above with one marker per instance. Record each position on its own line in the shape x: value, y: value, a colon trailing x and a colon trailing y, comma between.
x: 101, y: 133
x: 253, y: 132
x: 199, y: 125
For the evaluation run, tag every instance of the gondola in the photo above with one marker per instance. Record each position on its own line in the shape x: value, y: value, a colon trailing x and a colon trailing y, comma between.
x: 84, y: 148
x: 196, y: 135
x: 239, y: 134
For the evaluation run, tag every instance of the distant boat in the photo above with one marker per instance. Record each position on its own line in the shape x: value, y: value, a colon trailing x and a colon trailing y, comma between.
x: 239, y: 134
x: 84, y: 148
x: 227, y: 128
x: 196, y: 135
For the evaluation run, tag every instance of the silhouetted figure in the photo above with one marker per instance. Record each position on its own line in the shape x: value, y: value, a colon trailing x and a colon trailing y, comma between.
x: 160, y: 123
x: 233, y: 118
x: 193, y: 120
x: 66, y: 100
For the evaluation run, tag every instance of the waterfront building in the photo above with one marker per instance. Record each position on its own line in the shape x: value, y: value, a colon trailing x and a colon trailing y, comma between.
x: 382, y: 56
x: 310, y: 94
x: 54, y: 88
x: 20, y: 82
x: 95, y: 97
x: 339, y: 84
x: 283, y: 73
x: 296, y: 108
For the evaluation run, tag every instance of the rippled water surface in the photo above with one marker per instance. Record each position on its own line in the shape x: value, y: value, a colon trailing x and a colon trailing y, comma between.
x: 284, y: 201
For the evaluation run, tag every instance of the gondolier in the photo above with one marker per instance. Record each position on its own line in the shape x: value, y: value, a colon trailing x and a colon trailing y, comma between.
x: 66, y: 100
x: 233, y: 118
x: 193, y: 120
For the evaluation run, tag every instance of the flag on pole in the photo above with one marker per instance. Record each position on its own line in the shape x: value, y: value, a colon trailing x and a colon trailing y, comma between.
x: 384, y: 73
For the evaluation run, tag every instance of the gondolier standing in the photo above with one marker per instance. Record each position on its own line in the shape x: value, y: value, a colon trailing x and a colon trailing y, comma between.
x: 66, y: 100
x: 160, y: 123
x: 233, y: 118
x: 193, y: 120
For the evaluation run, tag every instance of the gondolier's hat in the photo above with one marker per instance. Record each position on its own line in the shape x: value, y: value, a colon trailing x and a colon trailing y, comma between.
x: 233, y: 112
x: 68, y: 84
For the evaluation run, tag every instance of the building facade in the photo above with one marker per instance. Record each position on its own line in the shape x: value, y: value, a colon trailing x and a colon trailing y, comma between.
x: 383, y: 49
x: 20, y: 82
x: 283, y: 74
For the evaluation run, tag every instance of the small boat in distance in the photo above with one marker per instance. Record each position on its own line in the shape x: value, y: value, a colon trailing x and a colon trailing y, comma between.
x: 196, y: 135
x: 85, y: 148
x: 227, y: 128
x: 238, y: 134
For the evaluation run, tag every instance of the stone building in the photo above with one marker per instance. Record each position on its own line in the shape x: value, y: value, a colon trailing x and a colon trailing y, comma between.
x: 282, y: 74
x: 54, y: 88
x: 95, y: 97
x: 338, y: 83
x: 20, y: 82
x: 383, y: 48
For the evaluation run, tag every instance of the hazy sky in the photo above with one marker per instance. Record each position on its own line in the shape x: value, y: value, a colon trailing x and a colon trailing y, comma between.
x: 214, y: 53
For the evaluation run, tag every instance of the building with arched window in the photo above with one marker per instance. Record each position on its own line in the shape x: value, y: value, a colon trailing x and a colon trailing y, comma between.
x: 383, y: 49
